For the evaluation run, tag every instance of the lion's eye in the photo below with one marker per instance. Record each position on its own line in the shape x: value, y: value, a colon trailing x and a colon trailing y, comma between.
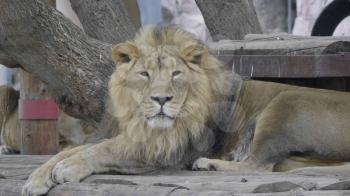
x: 144, y: 74
x: 176, y: 73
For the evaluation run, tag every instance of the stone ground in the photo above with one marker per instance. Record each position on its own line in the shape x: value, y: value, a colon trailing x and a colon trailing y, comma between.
x: 14, y: 170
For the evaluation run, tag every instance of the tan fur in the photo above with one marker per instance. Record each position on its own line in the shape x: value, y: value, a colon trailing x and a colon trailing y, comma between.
x: 179, y: 68
x: 10, y: 140
x: 285, y: 120
x: 165, y: 109
x: 203, y: 85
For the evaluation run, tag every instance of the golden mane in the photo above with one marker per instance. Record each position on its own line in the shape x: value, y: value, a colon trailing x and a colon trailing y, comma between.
x: 212, y: 85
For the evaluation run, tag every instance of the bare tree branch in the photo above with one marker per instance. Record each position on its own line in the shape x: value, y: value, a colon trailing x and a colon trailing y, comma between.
x: 75, y: 67
x: 7, y: 61
x: 105, y: 20
x: 229, y: 19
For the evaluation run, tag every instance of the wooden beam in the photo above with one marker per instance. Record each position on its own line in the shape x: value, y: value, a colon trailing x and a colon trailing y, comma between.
x: 285, y: 36
x: 39, y: 136
x: 285, y: 56
x: 300, y: 66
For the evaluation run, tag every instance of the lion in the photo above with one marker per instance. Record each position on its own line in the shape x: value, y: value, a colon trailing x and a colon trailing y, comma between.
x: 176, y: 106
x: 10, y: 139
x: 72, y: 132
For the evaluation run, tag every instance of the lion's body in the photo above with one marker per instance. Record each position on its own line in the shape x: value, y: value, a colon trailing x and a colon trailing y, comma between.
x: 10, y: 138
x: 165, y: 110
x: 283, y: 120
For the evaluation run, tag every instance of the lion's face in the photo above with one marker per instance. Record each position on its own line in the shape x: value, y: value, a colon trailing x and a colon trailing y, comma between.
x: 161, y: 84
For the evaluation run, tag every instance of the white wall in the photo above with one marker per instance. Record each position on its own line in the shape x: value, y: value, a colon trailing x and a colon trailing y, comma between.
x: 5, y: 75
x: 307, y: 13
x: 65, y: 8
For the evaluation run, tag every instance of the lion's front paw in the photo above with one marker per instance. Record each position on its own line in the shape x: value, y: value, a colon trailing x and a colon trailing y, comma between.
x: 72, y: 169
x: 37, y: 185
x: 204, y: 164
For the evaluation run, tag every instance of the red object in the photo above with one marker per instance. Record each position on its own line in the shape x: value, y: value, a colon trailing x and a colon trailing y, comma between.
x: 39, y: 109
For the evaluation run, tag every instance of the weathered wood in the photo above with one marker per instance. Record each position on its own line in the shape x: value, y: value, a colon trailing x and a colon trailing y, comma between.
x: 272, y: 15
x: 285, y: 36
x: 272, y: 66
x: 19, y: 167
x: 231, y: 182
x: 286, y: 56
x: 7, y: 61
x: 229, y: 19
x: 306, y: 181
x: 312, y: 181
x: 106, y: 20
x: 75, y: 67
x: 133, y: 11
x: 13, y: 188
x: 280, y: 47
x: 40, y: 136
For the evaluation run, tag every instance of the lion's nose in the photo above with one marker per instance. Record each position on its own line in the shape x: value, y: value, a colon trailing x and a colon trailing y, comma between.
x: 162, y: 100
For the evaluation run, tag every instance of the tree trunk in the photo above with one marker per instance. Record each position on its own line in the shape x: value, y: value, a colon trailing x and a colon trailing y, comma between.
x: 6, y: 60
x: 229, y: 19
x: 105, y: 20
x: 75, y: 67
x: 272, y: 14
x: 133, y: 11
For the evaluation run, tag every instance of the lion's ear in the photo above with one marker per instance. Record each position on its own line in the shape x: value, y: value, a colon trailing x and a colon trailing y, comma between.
x: 124, y: 52
x: 195, y: 54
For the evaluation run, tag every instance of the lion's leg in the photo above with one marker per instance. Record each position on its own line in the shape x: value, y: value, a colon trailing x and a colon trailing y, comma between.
x: 75, y: 164
x: 39, y: 182
x: 222, y: 165
x: 271, y: 144
x: 102, y: 157
x: 295, y: 162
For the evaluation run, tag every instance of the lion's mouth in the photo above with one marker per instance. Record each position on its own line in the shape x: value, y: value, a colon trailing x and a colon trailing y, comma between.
x: 161, y: 121
x: 161, y: 115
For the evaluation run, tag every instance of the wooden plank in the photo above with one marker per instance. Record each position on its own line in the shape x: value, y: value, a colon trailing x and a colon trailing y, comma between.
x: 280, y: 47
x: 298, y: 66
x: 38, y: 136
x: 285, y: 36
x: 284, y: 66
x: 289, y: 57
x: 319, y: 181
x: 19, y: 167
x: 13, y: 188
x: 236, y: 183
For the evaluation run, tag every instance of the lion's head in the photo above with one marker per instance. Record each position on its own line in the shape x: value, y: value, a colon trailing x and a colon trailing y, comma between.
x: 165, y: 79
